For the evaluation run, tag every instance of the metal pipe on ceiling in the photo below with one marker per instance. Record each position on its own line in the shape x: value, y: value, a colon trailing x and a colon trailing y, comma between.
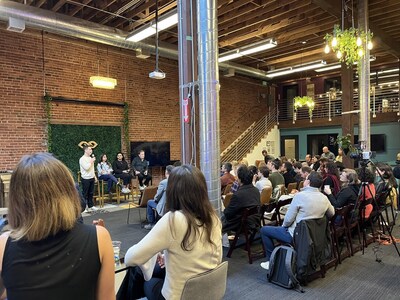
x: 74, y: 27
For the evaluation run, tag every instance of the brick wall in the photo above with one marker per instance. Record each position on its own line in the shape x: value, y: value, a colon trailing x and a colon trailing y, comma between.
x: 31, y: 62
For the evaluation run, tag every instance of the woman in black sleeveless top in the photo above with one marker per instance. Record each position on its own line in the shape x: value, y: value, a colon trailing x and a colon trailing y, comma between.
x: 47, y: 254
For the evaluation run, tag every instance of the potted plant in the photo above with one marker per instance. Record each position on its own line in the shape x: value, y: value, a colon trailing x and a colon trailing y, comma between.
x: 344, y: 142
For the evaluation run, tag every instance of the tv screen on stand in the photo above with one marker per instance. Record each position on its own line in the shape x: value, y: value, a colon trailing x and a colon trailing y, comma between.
x: 156, y: 153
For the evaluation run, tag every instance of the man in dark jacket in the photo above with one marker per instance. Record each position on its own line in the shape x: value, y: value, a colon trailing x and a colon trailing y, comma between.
x: 246, y: 196
x: 140, y: 168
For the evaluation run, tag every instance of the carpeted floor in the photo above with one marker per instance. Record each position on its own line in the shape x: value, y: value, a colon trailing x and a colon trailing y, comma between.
x: 358, y: 277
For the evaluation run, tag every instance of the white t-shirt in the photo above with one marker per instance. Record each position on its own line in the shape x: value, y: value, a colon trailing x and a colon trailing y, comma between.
x: 87, y: 167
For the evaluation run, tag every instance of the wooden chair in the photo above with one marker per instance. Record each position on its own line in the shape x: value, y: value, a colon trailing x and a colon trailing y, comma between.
x: 265, y: 196
x: 279, y: 205
x: 268, y: 215
x: 301, y: 185
x: 207, y: 285
x: 148, y: 194
x: 244, y: 229
x: 339, y: 229
x: 227, y: 189
x: 227, y: 199
x: 291, y: 186
x: 283, y: 189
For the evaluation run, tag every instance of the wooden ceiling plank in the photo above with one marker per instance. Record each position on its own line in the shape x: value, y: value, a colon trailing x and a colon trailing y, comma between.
x: 261, y: 21
x: 380, y: 36
x: 246, y: 14
x: 120, y: 11
x: 266, y: 29
x: 58, y: 5
x: 151, y: 16
x: 78, y: 8
x: 40, y: 3
x: 95, y: 12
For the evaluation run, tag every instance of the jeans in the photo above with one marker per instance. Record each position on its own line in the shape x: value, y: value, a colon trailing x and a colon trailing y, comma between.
x: 268, y: 233
x: 126, y: 177
x: 150, y: 213
x: 88, y: 190
x: 110, y: 180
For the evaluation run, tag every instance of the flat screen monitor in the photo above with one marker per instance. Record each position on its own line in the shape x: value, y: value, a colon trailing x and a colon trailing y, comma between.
x: 378, y: 142
x: 156, y: 153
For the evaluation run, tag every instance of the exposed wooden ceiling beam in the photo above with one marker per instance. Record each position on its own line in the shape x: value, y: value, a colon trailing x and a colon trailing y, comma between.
x: 269, y: 27
x: 79, y: 7
x: 58, y: 5
x: 95, y: 12
x: 120, y: 11
x: 385, y: 40
x: 40, y: 3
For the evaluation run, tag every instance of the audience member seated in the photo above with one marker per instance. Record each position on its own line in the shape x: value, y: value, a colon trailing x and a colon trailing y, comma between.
x: 263, y: 181
x: 348, y: 194
x: 227, y: 177
x: 327, y: 154
x: 235, y: 165
x: 297, y: 168
x: 47, y: 254
x: 189, y: 235
x: 304, y: 172
x: 246, y: 196
x: 104, y: 171
x: 159, y: 200
x: 286, y: 170
x: 140, y: 167
x: 366, y: 178
x: 254, y: 171
x: 266, y: 156
x: 315, y: 163
x: 339, y: 157
x: 309, y: 203
x: 385, y: 171
x: 121, y: 169
x: 308, y: 160
x: 330, y: 174
x: 275, y: 177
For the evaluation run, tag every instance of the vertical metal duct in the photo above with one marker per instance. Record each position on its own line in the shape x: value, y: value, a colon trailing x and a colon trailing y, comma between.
x: 209, y: 97
x: 363, y: 82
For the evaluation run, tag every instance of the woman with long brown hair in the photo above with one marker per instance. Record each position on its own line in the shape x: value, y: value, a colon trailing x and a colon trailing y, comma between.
x: 47, y: 254
x: 189, y: 235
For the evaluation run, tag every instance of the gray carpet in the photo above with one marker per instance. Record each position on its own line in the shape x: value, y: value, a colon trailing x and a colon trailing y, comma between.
x: 358, y: 277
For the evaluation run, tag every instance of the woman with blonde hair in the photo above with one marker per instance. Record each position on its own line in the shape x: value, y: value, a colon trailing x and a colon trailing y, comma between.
x: 47, y: 254
x: 189, y: 235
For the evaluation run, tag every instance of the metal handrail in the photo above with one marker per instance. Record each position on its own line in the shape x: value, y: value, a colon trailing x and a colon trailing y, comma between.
x: 385, y: 99
x: 249, y: 138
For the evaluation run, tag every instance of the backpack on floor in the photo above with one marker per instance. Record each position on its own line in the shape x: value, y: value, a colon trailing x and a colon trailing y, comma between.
x: 282, y: 268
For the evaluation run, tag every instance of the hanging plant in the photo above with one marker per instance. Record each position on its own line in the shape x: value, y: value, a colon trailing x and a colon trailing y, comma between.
x: 344, y: 142
x: 304, y: 101
x: 47, y: 107
x: 348, y: 44
x: 126, y: 128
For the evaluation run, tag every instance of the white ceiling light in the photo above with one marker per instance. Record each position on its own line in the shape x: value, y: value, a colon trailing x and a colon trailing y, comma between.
x: 338, y: 65
x: 247, y: 50
x: 103, y: 82
x: 298, y: 68
x: 166, y: 21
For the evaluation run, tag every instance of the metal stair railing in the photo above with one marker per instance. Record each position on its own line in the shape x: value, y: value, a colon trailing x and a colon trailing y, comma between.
x: 249, y: 138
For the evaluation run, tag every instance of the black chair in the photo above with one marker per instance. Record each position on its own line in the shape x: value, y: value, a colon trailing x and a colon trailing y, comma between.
x: 248, y: 228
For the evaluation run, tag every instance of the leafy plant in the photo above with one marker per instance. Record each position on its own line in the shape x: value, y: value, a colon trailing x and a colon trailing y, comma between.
x: 126, y: 129
x: 344, y: 142
x: 47, y: 107
x: 348, y: 44
x: 304, y: 101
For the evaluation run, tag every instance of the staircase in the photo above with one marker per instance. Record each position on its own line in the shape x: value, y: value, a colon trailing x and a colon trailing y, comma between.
x: 249, y: 138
